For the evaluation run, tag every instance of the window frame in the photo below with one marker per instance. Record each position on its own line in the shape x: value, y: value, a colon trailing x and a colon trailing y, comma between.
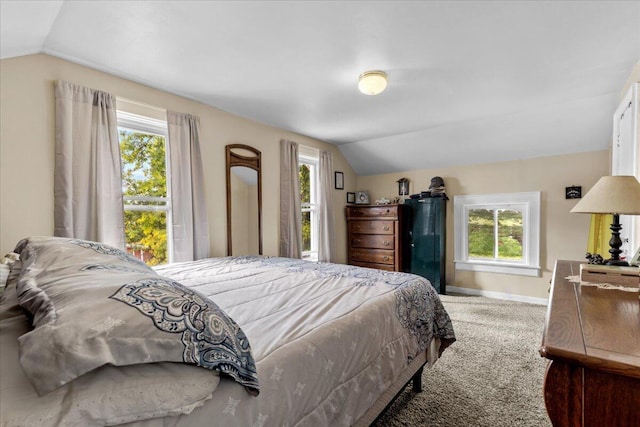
x: 148, y: 125
x: 528, y: 203
x: 313, y: 207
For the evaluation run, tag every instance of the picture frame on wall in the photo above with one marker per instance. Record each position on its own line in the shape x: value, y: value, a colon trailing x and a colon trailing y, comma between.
x: 351, y: 197
x: 573, y: 192
x: 339, y: 180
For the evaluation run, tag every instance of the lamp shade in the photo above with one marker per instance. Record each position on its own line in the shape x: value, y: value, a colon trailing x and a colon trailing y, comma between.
x: 372, y: 82
x: 612, y: 195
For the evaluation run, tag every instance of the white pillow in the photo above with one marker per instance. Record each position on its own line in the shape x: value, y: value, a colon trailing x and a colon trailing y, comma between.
x: 5, y: 267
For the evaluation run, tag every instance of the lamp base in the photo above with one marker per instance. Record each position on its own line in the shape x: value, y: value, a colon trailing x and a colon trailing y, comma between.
x: 615, y: 243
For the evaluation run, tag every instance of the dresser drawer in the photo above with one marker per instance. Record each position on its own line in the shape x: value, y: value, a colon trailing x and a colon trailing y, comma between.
x: 371, y: 227
x: 378, y: 256
x: 390, y: 212
x: 387, y: 267
x: 376, y: 241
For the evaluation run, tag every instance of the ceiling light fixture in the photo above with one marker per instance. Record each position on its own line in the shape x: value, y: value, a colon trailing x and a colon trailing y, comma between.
x: 372, y: 82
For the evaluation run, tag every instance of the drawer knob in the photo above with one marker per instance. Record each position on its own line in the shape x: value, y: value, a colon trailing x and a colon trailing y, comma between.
x: 386, y: 257
x: 386, y: 243
x: 386, y: 228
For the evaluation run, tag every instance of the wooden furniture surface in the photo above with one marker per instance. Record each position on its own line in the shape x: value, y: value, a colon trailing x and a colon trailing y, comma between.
x: 375, y: 236
x: 592, y: 338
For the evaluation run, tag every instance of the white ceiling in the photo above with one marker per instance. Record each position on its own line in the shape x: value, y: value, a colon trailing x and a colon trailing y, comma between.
x: 469, y: 81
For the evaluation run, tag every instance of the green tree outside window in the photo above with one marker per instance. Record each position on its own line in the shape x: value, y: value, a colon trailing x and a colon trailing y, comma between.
x: 501, y: 228
x: 305, y: 197
x: 144, y: 174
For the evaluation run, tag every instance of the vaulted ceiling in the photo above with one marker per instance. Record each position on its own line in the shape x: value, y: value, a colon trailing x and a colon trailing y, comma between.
x: 469, y: 81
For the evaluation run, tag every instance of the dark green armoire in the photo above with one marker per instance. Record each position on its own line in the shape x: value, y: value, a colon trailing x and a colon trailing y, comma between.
x: 426, y: 239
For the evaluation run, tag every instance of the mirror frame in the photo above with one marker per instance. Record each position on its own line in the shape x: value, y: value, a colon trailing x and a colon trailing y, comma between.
x: 252, y: 162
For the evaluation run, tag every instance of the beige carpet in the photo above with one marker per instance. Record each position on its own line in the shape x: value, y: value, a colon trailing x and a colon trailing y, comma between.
x: 492, y: 376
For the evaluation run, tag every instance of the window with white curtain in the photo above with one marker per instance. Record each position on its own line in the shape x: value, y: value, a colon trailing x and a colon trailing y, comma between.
x: 145, y: 187
x: 309, y: 181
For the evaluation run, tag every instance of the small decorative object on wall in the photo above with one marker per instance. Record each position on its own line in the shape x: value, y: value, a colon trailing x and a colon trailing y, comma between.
x: 339, y: 181
x: 351, y: 197
x: 362, y: 198
x: 403, y: 187
x: 573, y: 192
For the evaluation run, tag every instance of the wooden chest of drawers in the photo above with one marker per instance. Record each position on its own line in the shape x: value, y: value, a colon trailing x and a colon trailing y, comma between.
x: 375, y: 236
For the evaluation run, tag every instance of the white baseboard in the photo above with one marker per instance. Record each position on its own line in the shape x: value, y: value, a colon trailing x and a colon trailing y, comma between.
x: 497, y: 295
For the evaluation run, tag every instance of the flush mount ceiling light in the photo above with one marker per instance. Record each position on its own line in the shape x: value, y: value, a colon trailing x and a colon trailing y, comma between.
x: 372, y: 82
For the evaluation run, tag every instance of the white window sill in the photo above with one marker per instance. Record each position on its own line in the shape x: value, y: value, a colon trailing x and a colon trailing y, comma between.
x: 496, y: 267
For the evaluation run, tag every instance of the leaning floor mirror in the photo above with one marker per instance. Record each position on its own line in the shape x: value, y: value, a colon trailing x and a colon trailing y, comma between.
x: 244, y: 200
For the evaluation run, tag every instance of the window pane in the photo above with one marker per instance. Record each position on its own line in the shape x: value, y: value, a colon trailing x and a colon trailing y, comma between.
x: 146, y: 234
x: 305, y: 184
x: 143, y: 164
x: 306, y: 231
x: 481, y: 235
x: 144, y: 175
x: 510, y: 232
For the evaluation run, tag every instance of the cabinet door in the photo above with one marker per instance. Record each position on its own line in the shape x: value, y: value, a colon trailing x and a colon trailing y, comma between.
x: 426, y: 240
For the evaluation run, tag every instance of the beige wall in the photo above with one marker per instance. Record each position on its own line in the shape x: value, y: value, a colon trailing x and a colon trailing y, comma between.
x: 564, y: 235
x: 27, y: 150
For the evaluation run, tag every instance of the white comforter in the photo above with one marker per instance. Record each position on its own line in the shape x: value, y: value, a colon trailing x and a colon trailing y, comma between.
x: 328, y: 340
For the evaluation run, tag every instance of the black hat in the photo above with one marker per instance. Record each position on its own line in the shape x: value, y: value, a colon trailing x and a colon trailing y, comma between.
x: 436, y: 182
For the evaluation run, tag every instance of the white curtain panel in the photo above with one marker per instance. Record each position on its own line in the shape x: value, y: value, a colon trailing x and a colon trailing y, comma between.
x: 190, y: 227
x: 290, y: 209
x: 325, y: 214
x: 88, y: 176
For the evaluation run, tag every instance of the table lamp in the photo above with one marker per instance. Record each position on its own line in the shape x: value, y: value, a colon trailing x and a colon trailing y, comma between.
x: 614, y: 195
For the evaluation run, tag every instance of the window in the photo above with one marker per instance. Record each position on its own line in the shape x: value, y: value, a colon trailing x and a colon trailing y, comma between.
x: 498, y: 233
x: 309, y: 204
x: 145, y: 187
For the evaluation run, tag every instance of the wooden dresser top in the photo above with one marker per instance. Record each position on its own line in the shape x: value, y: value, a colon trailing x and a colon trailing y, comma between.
x: 592, y: 326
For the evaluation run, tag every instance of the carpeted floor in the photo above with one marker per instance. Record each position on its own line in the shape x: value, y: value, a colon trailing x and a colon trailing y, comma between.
x: 491, y: 376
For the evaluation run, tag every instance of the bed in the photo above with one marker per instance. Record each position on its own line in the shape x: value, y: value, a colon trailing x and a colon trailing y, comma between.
x: 91, y: 336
